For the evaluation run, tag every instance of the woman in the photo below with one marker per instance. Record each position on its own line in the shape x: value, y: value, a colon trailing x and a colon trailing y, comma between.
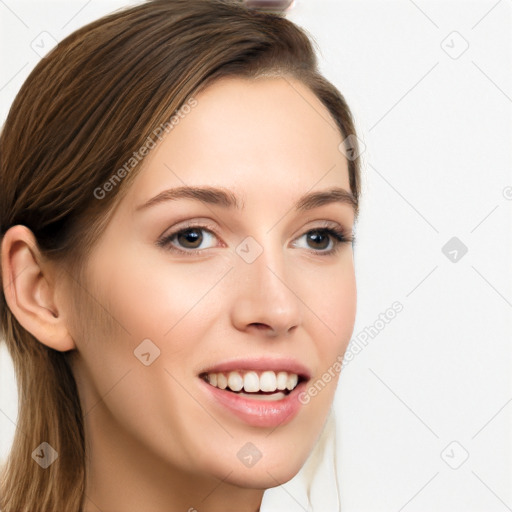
x: 177, y: 213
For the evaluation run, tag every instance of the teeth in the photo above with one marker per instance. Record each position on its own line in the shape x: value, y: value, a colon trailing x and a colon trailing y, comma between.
x: 292, y: 381
x: 274, y: 397
x: 235, y: 381
x: 282, y: 379
x: 222, y: 381
x: 252, y: 381
x: 268, y: 381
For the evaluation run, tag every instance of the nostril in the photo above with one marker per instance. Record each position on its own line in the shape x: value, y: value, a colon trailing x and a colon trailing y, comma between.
x: 266, y: 329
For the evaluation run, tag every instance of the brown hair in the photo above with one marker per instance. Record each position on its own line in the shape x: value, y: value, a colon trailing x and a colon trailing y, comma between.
x: 79, y: 116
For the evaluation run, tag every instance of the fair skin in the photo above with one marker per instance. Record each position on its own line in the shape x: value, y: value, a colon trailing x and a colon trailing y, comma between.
x: 155, y: 441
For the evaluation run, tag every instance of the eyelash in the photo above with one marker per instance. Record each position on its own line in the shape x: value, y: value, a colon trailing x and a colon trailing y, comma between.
x: 339, y: 237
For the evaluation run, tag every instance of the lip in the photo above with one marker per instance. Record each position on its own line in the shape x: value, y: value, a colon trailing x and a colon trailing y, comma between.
x: 258, y: 413
x: 261, y: 363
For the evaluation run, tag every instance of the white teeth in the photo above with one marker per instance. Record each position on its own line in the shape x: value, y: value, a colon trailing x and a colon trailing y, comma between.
x: 292, y: 381
x: 282, y: 379
x: 274, y: 397
x: 252, y: 381
x: 268, y: 381
x: 235, y: 381
x: 222, y: 382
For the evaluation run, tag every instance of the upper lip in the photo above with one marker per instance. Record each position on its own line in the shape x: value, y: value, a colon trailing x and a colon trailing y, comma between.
x: 285, y: 364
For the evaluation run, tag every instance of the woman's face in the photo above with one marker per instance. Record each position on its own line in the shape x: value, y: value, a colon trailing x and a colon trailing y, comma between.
x: 256, y: 289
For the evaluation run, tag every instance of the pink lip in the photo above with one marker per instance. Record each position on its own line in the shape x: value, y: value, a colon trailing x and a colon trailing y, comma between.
x: 261, y: 363
x: 258, y: 413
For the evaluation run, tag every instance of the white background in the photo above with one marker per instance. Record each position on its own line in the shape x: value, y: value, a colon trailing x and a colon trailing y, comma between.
x: 437, y: 129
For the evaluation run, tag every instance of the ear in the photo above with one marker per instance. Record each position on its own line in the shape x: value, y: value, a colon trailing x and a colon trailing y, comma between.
x: 29, y: 288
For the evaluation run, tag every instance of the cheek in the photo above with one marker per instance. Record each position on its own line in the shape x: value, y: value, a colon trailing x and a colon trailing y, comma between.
x: 333, y: 309
x: 153, y: 297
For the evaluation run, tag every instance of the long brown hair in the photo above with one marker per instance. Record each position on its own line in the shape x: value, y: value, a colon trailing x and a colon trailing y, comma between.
x: 81, y: 114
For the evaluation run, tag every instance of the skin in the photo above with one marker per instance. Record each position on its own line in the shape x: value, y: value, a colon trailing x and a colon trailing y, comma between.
x: 155, y: 443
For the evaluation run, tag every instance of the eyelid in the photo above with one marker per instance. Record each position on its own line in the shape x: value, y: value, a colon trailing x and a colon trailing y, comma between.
x: 204, y: 224
x: 188, y: 224
x: 346, y: 234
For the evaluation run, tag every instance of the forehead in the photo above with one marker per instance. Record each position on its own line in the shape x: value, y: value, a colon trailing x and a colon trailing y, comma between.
x: 249, y: 135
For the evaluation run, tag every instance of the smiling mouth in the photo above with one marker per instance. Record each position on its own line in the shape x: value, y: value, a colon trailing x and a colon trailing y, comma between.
x: 259, y: 385
x: 250, y: 392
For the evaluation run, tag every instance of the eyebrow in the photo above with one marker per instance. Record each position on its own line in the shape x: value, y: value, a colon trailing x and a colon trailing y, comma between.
x: 227, y: 199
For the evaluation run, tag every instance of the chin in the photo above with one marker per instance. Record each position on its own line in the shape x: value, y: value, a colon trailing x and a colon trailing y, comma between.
x: 262, y: 478
x: 275, y: 466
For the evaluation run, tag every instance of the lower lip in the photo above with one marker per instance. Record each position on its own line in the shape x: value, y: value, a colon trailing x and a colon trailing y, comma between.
x: 259, y: 413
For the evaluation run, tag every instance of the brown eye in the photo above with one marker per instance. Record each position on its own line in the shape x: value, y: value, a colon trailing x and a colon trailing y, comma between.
x: 326, y: 241
x: 190, y: 238
x: 318, y: 239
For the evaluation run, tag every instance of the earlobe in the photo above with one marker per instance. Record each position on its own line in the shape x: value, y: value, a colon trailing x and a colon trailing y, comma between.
x: 29, y: 289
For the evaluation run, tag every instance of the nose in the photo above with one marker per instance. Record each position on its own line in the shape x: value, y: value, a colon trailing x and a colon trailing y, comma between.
x: 265, y: 300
